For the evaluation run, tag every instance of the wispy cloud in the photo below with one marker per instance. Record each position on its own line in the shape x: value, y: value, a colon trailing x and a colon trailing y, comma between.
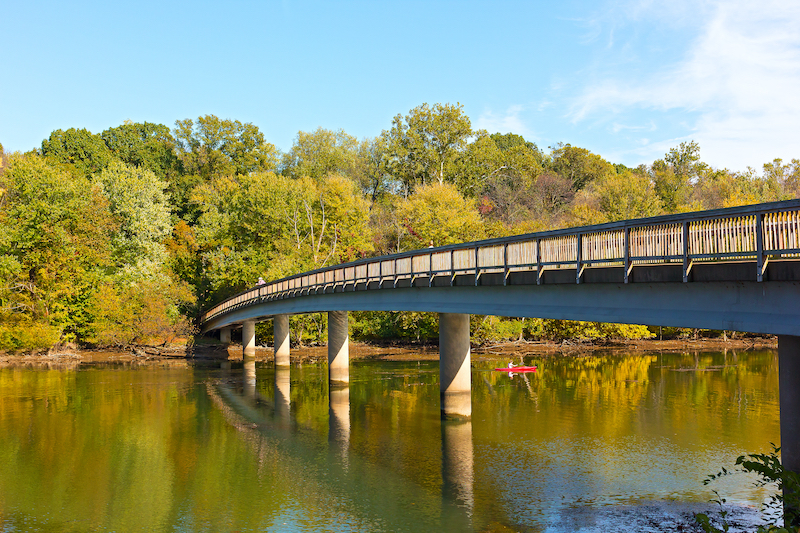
x: 738, y: 80
x: 508, y: 122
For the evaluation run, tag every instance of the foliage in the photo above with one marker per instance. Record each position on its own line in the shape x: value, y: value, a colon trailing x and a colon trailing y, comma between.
x: 136, y: 199
x: 320, y: 154
x: 90, y: 222
x: 130, y: 311
x: 78, y: 148
x: 770, y: 472
x: 423, y: 146
x: 145, y: 145
x: 579, y: 165
x: 437, y: 214
x: 56, y: 231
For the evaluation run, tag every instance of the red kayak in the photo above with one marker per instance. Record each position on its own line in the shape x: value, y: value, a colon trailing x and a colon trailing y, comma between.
x: 516, y: 369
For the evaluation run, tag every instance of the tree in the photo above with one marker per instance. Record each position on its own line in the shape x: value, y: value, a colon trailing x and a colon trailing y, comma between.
x: 674, y: 175
x: 146, y: 145
x: 136, y: 198
x: 267, y: 225
x: 616, y: 197
x: 437, y: 213
x: 579, y: 165
x: 783, y: 180
x: 423, y: 146
x: 215, y: 147
x: 321, y: 153
x: 55, y: 245
x: 79, y: 148
x: 212, y: 148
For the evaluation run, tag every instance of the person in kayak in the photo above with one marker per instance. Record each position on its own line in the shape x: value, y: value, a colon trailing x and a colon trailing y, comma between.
x: 511, y: 364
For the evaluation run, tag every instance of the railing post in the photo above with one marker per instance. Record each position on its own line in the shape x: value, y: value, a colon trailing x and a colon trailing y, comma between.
x: 380, y: 273
x: 430, y: 269
x: 411, y: 269
x: 505, y: 264
x: 760, y: 246
x: 395, y: 273
x: 686, y: 262
x: 578, y: 253
x: 538, y: 261
x: 452, y: 267
x: 477, y: 270
x: 627, y: 253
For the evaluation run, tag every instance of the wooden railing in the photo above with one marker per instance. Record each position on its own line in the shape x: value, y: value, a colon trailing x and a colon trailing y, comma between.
x: 758, y: 232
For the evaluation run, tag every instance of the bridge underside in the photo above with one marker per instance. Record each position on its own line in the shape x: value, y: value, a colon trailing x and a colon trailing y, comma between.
x: 652, y: 297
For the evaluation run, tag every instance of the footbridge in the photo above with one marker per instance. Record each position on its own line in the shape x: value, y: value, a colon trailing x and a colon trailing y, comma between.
x: 732, y: 269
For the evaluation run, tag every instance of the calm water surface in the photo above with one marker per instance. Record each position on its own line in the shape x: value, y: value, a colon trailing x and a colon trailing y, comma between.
x: 585, y: 444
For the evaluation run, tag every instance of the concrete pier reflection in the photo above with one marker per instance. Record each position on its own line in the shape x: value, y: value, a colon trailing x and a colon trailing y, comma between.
x: 339, y: 418
x: 283, y: 396
x: 249, y: 378
x: 458, y: 467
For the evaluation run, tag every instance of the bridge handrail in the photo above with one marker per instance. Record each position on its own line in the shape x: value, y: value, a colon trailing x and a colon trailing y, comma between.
x: 758, y: 231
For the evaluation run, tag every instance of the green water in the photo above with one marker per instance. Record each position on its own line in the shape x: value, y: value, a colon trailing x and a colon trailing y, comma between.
x: 578, y: 445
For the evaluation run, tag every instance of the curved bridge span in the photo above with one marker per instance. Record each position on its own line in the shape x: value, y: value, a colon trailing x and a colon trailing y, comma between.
x: 733, y: 269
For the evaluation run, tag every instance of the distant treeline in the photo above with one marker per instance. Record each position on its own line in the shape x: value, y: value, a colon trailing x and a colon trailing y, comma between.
x: 122, y: 237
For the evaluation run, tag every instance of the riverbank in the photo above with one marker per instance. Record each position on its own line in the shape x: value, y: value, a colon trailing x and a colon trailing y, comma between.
x: 397, y: 352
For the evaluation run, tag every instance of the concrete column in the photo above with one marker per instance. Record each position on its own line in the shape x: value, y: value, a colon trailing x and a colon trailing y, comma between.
x: 338, y: 347
x: 280, y: 325
x: 225, y: 335
x: 789, y: 390
x: 455, y: 380
x: 249, y: 338
x: 283, y: 390
x: 458, y: 469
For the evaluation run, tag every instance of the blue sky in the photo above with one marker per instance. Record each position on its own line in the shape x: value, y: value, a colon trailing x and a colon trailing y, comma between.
x: 627, y: 80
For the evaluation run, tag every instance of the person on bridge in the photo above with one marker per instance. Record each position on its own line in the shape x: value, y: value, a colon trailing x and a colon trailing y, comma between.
x: 261, y: 281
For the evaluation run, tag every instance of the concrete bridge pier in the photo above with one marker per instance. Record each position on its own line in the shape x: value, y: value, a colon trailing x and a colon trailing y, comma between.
x: 338, y: 347
x: 455, y: 380
x: 249, y: 338
x: 789, y: 390
x: 280, y: 324
x: 225, y: 335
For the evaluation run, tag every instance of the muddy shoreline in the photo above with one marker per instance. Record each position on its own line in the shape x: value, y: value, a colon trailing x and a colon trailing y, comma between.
x: 396, y: 352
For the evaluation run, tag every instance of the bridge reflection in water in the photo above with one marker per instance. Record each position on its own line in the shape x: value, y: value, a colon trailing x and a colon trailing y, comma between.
x: 734, y: 269
x: 365, y: 484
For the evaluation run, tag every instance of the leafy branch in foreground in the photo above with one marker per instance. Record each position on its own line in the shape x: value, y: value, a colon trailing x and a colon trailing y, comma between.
x: 785, y: 502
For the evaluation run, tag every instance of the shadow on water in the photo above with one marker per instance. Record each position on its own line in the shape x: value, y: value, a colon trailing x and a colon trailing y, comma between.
x: 375, y: 494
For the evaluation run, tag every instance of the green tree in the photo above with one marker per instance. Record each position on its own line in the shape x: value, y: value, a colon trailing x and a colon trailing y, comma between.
x: 321, y: 153
x: 268, y: 225
x: 211, y: 148
x: 136, y: 198
x: 79, y: 148
x: 437, y: 213
x: 146, y: 145
x: 674, y: 175
x: 579, y: 165
x: 55, y: 246
x: 423, y: 146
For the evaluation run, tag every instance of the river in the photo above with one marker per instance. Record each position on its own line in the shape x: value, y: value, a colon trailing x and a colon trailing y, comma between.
x: 600, y: 442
